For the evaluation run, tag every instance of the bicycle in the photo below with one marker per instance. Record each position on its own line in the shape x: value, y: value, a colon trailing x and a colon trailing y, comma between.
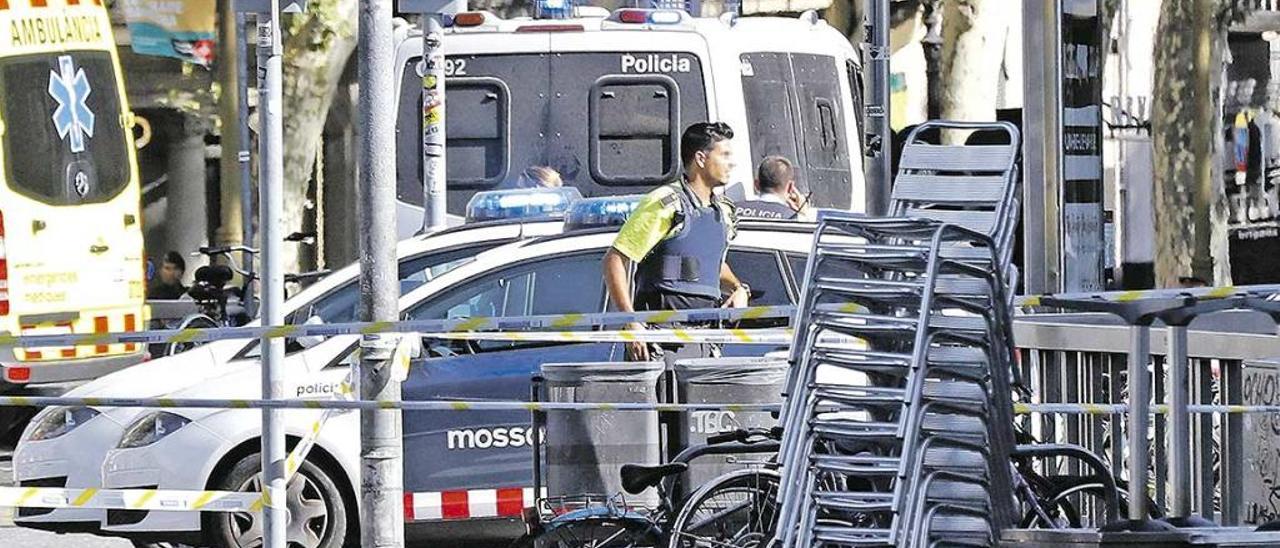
x: 735, y: 509
x: 218, y: 305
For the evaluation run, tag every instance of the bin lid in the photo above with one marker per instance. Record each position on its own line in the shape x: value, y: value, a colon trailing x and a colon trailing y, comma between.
x: 764, y: 370
x: 603, y: 371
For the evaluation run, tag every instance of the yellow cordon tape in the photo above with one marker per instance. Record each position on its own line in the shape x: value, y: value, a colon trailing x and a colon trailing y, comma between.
x: 426, y: 405
x: 427, y: 328
x: 1201, y: 293
x: 130, y: 499
x: 1120, y: 409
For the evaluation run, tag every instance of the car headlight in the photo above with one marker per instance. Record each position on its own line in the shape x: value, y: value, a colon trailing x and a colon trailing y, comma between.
x: 151, y: 428
x: 60, y: 420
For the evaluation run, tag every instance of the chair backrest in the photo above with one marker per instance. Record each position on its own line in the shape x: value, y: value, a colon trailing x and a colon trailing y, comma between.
x: 972, y: 185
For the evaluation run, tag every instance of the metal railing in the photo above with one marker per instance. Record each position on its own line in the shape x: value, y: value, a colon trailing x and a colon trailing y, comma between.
x: 1081, y: 360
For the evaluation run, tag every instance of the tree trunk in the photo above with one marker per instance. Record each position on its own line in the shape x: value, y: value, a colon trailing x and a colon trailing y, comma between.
x: 317, y: 47
x: 1186, y: 132
x: 972, y: 45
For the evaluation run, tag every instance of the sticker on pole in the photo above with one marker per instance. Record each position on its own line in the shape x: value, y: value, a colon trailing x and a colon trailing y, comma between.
x: 70, y: 88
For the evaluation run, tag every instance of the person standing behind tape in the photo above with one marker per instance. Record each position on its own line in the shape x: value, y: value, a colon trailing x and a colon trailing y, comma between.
x: 678, y: 237
x: 778, y: 197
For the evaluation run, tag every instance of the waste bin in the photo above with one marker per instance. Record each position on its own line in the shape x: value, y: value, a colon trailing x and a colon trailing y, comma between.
x: 586, y: 449
x: 725, y: 380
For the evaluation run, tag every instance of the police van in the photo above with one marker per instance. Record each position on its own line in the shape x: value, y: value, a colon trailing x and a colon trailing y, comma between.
x: 603, y: 97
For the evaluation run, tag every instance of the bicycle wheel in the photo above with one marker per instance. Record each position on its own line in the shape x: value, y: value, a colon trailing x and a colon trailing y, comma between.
x: 736, y: 510
x: 195, y: 321
x: 598, y: 532
x: 1073, y: 501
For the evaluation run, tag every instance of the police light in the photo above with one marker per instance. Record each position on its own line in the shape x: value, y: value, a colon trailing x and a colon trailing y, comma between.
x: 521, y: 203
x: 635, y: 16
x: 598, y: 212
x: 553, y: 9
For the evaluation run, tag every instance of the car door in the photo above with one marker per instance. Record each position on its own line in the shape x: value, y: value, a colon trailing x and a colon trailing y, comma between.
x: 761, y: 269
x: 490, y: 449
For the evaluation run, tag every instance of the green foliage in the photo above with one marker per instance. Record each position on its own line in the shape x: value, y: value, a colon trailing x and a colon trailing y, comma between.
x: 316, y: 29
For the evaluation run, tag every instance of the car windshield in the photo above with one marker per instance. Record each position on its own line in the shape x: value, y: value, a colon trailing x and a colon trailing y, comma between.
x: 341, y: 304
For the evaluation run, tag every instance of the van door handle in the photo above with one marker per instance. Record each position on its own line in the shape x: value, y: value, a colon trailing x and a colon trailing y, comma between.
x: 98, y: 249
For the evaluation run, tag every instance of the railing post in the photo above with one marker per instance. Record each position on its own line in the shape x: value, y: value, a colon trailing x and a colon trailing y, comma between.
x: 1179, y: 422
x: 1232, y: 444
x: 1139, y: 418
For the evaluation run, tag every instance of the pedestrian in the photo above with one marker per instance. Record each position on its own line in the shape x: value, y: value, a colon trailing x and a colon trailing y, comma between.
x: 776, y: 194
x: 537, y: 177
x: 167, y: 284
x: 677, y: 238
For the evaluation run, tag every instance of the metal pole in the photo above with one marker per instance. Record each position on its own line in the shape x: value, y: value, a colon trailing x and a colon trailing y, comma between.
x: 382, y: 477
x: 878, y: 171
x: 433, y: 124
x: 243, y: 154
x: 230, y: 221
x: 1139, y: 407
x: 1179, y: 423
x: 271, y: 216
x: 1041, y: 145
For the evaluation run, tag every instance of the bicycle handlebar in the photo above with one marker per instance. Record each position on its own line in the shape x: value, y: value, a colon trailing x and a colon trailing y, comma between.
x: 746, y: 435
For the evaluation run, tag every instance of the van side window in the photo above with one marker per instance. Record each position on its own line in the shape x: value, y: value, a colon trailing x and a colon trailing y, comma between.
x: 477, y: 141
x: 855, y: 87
x: 771, y: 108
x: 634, y: 122
x: 795, y: 108
x: 826, y: 155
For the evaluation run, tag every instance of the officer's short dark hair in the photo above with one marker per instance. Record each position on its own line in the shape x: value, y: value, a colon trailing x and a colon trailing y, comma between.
x: 774, y: 173
x: 174, y: 258
x: 701, y: 137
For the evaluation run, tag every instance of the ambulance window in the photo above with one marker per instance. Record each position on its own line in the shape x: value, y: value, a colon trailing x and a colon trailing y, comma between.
x: 634, y: 123
x: 62, y: 122
x: 477, y: 134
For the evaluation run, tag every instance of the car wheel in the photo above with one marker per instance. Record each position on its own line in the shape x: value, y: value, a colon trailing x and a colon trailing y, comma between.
x: 317, y: 514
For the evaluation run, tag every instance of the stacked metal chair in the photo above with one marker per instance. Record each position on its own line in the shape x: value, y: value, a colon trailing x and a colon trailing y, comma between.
x: 919, y: 456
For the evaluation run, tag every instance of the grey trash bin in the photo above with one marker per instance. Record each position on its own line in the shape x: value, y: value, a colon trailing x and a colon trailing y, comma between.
x: 586, y: 449
x: 725, y: 380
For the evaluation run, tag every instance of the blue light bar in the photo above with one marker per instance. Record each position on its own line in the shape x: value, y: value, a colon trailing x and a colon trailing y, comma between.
x: 553, y: 9
x: 521, y: 203
x: 598, y: 212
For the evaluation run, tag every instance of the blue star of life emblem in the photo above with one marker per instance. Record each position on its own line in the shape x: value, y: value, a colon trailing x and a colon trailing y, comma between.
x: 70, y: 88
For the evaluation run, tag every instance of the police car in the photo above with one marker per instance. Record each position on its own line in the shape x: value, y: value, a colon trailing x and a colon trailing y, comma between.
x: 64, y: 447
x: 603, y: 97
x: 459, y: 467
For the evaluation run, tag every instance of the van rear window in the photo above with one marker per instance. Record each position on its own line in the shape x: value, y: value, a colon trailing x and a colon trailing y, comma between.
x: 64, y: 143
x: 507, y: 112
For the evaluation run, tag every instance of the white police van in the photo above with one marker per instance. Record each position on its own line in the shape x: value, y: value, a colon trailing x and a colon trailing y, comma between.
x: 603, y: 97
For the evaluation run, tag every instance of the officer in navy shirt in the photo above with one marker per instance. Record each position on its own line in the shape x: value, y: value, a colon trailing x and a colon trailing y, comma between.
x: 677, y: 238
x: 777, y: 196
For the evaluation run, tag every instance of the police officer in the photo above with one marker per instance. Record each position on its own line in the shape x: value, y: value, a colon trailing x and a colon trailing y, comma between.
x: 678, y: 237
x: 778, y: 197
